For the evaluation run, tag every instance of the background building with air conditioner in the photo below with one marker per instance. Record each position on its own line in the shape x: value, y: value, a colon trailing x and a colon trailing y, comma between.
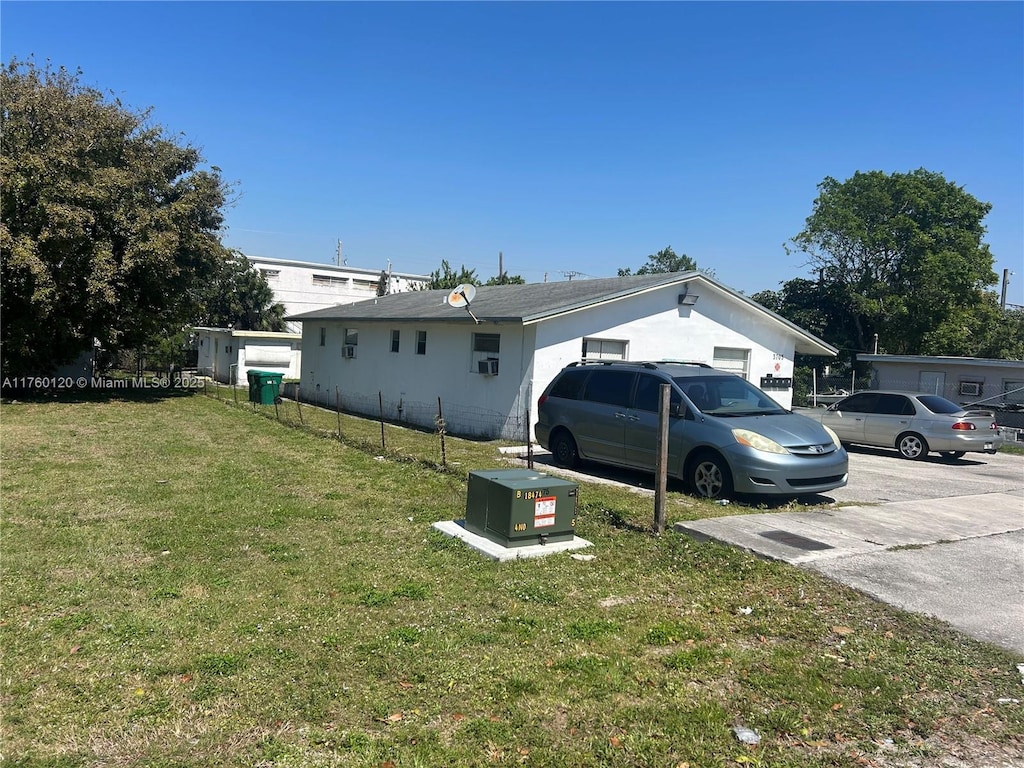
x: 990, y: 383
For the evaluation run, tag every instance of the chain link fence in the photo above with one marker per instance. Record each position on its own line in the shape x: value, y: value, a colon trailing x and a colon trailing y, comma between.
x: 400, y: 430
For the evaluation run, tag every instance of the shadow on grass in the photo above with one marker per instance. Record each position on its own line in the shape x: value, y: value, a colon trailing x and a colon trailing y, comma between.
x: 141, y: 394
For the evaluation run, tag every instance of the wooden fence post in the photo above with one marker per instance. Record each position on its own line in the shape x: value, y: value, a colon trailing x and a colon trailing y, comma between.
x: 337, y: 406
x: 380, y: 400
x: 441, y: 430
x: 529, y: 443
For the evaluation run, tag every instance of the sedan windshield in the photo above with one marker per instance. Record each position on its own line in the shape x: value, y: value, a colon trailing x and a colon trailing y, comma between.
x: 937, y: 404
x: 727, y: 396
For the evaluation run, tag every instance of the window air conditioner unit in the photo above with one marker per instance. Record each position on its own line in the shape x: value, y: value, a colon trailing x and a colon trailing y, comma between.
x: 348, y: 351
x: 488, y: 367
x: 972, y: 388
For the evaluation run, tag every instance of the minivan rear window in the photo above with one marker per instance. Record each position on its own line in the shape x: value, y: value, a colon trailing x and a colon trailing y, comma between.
x: 569, y: 384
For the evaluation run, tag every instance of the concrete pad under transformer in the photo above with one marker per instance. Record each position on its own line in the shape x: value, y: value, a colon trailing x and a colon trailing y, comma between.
x: 494, y: 551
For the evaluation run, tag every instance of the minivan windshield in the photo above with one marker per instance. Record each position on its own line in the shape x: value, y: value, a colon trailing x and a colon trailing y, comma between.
x: 727, y: 396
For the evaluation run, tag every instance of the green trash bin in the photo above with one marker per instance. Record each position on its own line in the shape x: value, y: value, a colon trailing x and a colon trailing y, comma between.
x: 265, y: 387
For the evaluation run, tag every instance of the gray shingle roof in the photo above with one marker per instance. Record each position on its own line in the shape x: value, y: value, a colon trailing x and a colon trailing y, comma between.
x: 498, y: 303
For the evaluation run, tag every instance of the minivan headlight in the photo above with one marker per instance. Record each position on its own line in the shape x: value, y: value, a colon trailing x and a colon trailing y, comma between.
x: 834, y: 436
x: 757, y: 441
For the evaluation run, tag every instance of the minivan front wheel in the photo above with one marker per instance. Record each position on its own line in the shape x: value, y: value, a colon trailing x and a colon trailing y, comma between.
x: 709, y: 477
x: 563, y: 449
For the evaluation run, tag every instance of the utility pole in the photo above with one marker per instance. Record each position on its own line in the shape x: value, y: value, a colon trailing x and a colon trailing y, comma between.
x: 501, y: 270
x: 1006, y: 282
x: 337, y: 254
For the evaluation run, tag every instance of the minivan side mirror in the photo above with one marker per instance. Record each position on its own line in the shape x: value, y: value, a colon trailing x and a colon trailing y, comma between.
x: 676, y: 409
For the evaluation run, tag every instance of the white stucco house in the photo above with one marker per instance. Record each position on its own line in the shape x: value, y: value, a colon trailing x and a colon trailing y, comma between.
x: 488, y: 364
x: 304, y: 286
x: 227, y: 355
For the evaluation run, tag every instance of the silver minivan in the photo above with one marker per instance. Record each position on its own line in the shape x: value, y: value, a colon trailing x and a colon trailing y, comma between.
x: 725, y: 435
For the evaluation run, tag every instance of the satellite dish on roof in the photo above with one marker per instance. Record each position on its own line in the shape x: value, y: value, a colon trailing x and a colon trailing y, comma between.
x: 462, y: 296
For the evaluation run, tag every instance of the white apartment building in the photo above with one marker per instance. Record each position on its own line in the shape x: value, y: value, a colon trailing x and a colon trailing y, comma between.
x: 305, y: 286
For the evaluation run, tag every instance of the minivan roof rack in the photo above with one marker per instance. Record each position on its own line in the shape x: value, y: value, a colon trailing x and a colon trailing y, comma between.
x: 683, y: 362
x: 643, y: 363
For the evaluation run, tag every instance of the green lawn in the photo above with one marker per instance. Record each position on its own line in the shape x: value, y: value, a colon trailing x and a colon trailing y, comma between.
x: 188, y: 583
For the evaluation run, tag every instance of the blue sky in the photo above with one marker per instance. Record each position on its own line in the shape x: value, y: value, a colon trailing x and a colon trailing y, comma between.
x: 575, y: 138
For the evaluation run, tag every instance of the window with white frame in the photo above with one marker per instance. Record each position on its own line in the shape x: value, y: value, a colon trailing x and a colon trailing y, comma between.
x: 733, y: 360
x: 349, y: 343
x: 421, y: 342
x: 604, y: 349
x: 396, y: 336
x: 323, y: 336
x: 486, y: 347
x: 970, y: 388
x: 329, y: 280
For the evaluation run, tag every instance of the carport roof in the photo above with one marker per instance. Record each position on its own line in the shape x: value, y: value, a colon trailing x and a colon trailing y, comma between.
x: 533, y: 302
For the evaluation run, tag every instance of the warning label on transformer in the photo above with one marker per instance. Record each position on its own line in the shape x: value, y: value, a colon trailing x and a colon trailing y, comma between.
x: 544, y: 512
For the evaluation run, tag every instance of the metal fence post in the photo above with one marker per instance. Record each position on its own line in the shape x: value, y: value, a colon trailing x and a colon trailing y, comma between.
x: 661, y: 462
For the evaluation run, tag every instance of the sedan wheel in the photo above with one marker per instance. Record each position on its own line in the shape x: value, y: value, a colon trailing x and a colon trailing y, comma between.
x: 912, y: 446
x: 710, y: 477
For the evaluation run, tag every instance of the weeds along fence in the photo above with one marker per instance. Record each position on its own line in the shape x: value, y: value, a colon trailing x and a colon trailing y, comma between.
x: 373, y: 425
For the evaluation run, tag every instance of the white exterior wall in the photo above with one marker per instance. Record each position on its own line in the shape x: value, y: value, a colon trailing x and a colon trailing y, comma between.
x: 410, y: 384
x: 214, y: 359
x: 288, y: 360
x: 657, y: 328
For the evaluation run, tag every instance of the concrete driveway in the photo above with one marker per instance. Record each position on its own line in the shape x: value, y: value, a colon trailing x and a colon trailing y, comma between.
x: 945, y: 539
x: 959, y: 559
x: 940, y: 538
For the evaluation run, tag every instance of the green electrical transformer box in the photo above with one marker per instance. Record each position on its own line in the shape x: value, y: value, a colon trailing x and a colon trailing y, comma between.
x: 519, y: 507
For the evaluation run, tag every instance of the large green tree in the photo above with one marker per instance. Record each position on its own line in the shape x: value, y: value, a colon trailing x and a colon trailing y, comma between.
x: 239, y: 297
x: 664, y: 260
x: 900, y: 255
x: 447, y: 278
x: 109, y: 228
